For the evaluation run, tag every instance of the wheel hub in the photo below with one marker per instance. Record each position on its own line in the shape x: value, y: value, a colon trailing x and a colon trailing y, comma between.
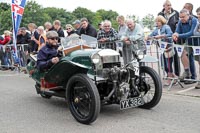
x: 76, y: 100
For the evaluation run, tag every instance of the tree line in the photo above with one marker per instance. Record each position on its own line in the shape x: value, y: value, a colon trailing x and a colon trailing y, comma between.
x: 35, y: 13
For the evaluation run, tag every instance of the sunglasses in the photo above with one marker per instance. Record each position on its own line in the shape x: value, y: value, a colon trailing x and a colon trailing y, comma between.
x: 53, y: 38
x: 68, y: 28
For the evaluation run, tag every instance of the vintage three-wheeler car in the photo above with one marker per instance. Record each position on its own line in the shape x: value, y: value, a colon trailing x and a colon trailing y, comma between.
x: 89, y: 78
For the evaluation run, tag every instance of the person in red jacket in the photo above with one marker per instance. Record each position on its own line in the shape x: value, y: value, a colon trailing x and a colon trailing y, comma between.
x: 6, y: 39
x: 3, y: 56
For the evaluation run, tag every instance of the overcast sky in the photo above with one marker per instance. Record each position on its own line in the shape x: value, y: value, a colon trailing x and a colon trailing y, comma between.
x: 123, y: 7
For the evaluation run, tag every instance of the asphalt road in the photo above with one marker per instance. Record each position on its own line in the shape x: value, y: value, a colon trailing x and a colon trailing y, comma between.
x: 23, y: 111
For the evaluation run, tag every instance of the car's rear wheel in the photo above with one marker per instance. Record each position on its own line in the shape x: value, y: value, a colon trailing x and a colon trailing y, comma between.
x: 83, y: 98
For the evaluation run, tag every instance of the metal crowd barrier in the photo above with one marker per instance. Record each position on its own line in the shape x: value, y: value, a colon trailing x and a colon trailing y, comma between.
x: 156, y: 49
x: 9, y: 58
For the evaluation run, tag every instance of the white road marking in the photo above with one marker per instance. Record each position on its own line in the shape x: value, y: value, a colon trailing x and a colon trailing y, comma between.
x: 191, y: 88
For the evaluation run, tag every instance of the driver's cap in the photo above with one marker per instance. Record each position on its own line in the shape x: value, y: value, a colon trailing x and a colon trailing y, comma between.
x: 51, y: 34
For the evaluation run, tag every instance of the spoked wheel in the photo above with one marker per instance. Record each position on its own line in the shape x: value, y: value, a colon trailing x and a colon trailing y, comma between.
x: 150, y: 87
x: 83, y: 98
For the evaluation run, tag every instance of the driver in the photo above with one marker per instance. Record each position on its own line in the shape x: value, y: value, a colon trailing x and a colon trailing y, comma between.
x: 49, y: 54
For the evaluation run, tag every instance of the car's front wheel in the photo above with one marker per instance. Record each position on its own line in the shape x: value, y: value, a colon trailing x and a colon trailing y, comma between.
x: 83, y: 98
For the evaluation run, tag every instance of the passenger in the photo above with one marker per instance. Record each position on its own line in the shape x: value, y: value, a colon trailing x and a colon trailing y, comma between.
x: 184, y: 30
x: 197, y: 33
x: 50, y: 53
x: 87, y: 28
x: 107, y: 36
x: 133, y: 39
x: 163, y: 32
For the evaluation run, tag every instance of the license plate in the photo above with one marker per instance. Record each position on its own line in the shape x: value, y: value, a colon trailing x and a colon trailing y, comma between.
x: 131, y: 102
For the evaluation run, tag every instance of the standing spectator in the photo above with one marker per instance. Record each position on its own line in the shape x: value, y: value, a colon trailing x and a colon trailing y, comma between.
x: 172, y: 17
x: 107, y: 36
x: 3, y: 53
x: 197, y: 29
x: 48, y: 26
x: 163, y: 32
x: 100, y: 27
x: 70, y: 29
x: 42, y: 39
x: 189, y: 7
x: 87, y: 28
x: 58, y: 29
x: 197, y: 33
x: 23, y: 37
x: 184, y: 30
x: 1, y: 38
x: 122, y: 25
x: 6, y: 39
x: 34, y: 37
x: 77, y: 26
x: 133, y: 39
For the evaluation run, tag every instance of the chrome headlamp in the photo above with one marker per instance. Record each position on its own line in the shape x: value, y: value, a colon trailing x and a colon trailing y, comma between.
x: 95, y: 58
x: 140, y: 54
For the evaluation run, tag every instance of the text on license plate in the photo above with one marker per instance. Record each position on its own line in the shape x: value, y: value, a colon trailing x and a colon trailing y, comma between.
x: 131, y: 102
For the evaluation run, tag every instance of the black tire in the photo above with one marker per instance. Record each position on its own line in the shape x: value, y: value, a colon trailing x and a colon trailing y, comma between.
x: 83, y: 97
x: 157, y: 84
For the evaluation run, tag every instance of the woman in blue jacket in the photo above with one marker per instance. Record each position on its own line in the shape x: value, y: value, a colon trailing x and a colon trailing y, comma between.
x: 163, y: 33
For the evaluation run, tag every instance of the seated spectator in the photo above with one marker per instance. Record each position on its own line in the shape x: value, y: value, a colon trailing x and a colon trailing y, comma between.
x: 70, y: 29
x: 184, y: 30
x: 107, y: 36
x: 49, y: 54
x: 23, y: 36
x: 133, y: 38
x: 87, y: 28
x: 163, y: 32
x: 77, y: 26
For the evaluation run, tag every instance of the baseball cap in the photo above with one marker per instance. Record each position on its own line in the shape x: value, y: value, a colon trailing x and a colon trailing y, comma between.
x: 76, y: 22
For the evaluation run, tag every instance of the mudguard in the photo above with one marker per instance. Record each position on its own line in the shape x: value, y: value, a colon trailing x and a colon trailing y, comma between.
x: 63, y: 70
